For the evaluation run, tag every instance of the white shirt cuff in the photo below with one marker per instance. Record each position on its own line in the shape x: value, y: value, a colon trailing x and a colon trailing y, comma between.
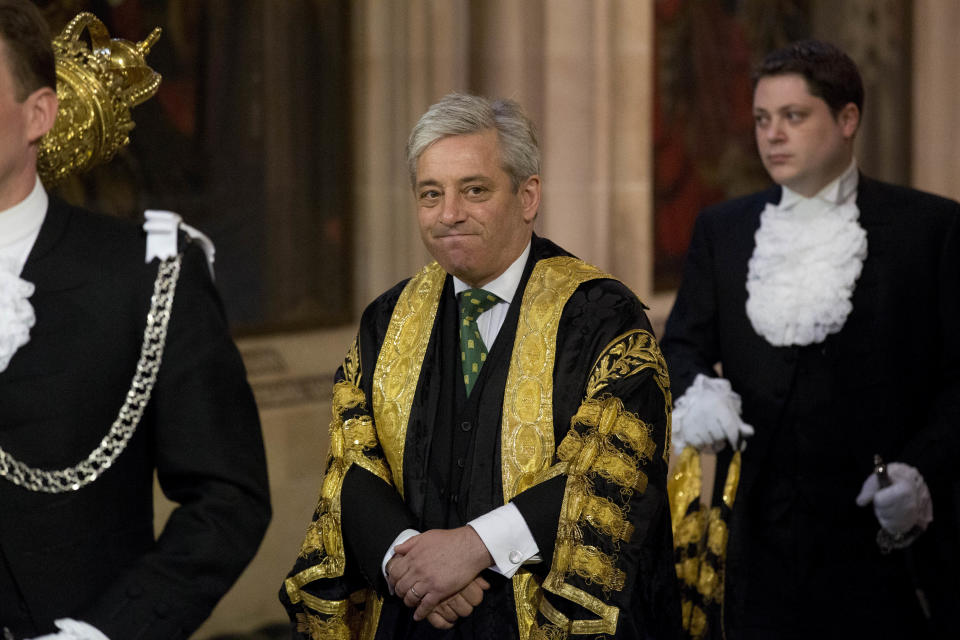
x: 71, y: 629
x: 508, y: 539
x: 405, y: 535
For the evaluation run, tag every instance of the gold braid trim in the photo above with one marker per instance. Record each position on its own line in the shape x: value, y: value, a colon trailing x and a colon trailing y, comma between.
x: 609, y: 416
x: 594, y: 454
x: 351, y: 366
x: 683, y: 488
x: 607, y: 615
x: 689, y: 530
x: 560, y: 623
x: 351, y: 440
x: 346, y: 396
x: 398, y: 366
x: 589, y: 563
x: 709, y: 583
x: 629, y: 354
x: 697, y: 618
x: 547, y: 632
x: 717, y: 533
x: 527, y: 442
x: 607, y: 517
x: 621, y: 469
x: 327, y: 607
x: 358, y: 433
x: 334, y: 628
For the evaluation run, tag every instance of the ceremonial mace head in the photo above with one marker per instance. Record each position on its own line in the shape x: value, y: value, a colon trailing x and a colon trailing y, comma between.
x: 97, y: 85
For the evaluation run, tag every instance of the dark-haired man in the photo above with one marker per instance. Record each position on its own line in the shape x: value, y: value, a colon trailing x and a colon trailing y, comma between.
x: 829, y: 301
x: 501, y: 428
x: 112, y: 367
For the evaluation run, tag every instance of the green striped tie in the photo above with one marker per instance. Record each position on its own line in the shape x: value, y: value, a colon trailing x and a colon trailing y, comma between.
x: 473, y: 352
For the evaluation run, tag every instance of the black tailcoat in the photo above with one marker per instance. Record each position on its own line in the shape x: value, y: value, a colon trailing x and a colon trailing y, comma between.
x: 90, y: 554
x: 888, y: 383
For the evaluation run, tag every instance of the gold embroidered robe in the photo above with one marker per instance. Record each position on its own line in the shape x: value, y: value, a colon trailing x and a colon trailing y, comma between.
x: 586, y: 398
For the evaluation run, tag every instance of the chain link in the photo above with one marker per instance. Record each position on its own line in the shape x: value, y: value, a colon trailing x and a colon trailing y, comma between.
x: 123, y: 428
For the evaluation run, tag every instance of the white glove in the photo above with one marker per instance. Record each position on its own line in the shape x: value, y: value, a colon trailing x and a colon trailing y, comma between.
x: 903, y: 505
x: 71, y: 629
x: 707, y: 416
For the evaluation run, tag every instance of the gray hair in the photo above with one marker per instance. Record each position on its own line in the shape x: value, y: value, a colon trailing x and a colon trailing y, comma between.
x: 460, y: 114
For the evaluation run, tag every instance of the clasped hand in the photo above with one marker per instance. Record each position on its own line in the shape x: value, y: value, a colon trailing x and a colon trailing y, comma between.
x: 438, y: 573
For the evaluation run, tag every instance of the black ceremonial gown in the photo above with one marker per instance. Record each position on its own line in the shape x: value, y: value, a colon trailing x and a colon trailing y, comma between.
x: 569, y: 419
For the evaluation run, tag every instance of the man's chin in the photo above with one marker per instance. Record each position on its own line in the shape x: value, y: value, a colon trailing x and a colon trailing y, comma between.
x: 783, y: 176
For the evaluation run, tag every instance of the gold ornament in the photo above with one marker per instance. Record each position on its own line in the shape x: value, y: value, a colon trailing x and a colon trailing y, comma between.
x: 97, y: 85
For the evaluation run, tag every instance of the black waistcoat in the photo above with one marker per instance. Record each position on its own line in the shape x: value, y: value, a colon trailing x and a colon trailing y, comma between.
x: 463, y: 477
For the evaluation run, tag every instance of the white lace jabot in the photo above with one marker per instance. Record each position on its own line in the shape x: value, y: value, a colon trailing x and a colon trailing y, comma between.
x: 808, y: 255
x: 19, y: 227
x: 16, y: 312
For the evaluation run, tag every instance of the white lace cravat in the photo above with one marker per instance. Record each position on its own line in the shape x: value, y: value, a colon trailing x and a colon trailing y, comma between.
x: 803, y: 271
x: 16, y: 312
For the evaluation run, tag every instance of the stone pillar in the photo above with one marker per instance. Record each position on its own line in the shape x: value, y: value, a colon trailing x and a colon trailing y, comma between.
x: 936, y: 93
x: 597, y: 126
x: 581, y: 68
x: 406, y: 54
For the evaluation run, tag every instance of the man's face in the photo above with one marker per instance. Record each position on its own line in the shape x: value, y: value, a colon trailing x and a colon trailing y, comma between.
x: 471, y: 220
x: 802, y: 145
x: 15, y: 150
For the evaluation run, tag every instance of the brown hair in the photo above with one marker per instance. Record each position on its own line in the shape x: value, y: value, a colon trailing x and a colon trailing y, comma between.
x: 830, y: 73
x: 29, y: 51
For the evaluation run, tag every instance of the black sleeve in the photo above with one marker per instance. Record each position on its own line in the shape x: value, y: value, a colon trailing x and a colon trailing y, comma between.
x: 373, y: 515
x: 210, y: 460
x: 539, y: 505
x: 690, y: 342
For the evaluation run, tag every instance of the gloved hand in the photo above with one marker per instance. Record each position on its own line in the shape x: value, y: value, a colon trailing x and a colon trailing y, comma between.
x: 707, y: 416
x: 71, y: 629
x: 903, y: 505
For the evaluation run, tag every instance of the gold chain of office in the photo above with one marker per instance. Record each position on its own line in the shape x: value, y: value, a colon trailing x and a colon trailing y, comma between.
x: 137, y: 398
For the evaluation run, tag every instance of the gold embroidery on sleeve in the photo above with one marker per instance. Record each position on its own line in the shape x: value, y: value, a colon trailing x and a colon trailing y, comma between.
x: 351, y: 440
x: 627, y: 355
x: 323, y: 629
x: 593, y: 453
x: 607, y: 517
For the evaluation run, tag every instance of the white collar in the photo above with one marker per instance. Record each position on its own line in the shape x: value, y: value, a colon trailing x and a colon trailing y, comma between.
x: 503, y: 286
x: 808, y: 255
x: 25, y: 217
x: 838, y: 191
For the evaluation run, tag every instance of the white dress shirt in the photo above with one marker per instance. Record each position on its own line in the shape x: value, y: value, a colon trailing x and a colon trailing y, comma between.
x: 840, y: 190
x: 20, y: 226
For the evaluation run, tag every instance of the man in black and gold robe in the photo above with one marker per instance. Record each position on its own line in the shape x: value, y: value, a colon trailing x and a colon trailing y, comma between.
x: 494, y: 471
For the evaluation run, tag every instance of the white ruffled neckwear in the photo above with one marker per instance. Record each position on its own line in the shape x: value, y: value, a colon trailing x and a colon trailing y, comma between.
x: 16, y: 312
x: 19, y: 227
x: 809, y: 253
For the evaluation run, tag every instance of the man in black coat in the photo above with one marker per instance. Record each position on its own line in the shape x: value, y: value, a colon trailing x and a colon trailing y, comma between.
x: 498, y: 455
x: 829, y: 303
x: 113, y: 365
